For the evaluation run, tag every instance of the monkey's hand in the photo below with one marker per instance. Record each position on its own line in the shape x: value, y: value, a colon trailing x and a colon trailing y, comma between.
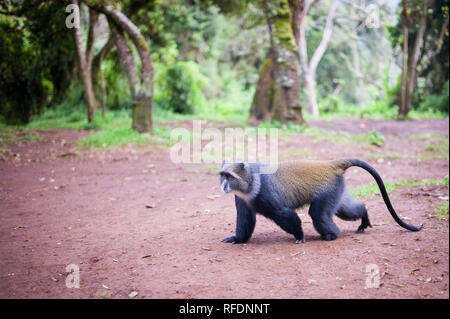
x: 233, y: 240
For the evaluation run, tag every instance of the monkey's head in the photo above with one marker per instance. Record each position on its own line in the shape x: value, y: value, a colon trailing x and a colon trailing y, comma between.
x: 235, y: 177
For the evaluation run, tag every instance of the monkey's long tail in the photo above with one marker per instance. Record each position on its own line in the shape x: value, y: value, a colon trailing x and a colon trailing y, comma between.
x: 377, y: 177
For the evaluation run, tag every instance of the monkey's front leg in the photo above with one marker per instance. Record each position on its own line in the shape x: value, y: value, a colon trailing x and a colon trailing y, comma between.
x: 245, y: 223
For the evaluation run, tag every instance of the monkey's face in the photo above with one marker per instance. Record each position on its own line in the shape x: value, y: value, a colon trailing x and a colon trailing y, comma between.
x: 234, y: 177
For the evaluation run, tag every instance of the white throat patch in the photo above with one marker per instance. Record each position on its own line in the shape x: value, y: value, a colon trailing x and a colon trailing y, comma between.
x: 256, y: 187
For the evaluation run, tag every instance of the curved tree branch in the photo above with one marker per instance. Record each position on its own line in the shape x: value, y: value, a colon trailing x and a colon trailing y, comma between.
x: 317, y: 56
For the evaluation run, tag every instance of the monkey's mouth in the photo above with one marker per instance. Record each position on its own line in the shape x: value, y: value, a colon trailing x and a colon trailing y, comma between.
x: 225, y: 187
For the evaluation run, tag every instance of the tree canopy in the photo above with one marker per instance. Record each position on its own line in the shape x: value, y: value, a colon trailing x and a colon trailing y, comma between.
x: 199, y: 56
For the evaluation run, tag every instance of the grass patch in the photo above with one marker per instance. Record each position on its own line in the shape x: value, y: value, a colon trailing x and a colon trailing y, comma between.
x: 440, y: 150
x: 428, y: 137
x: 319, y: 134
x: 7, y: 134
x: 119, y: 136
x: 422, y: 158
x: 211, y: 168
x: 113, y: 129
x: 372, y: 189
x: 28, y: 136
x: 372, y: 138
x: 122, y: 136
x: 441, y: 210
x: 390, y: 156
x: 296, y: 151
x: 14, y: 134
x: 438, y: 147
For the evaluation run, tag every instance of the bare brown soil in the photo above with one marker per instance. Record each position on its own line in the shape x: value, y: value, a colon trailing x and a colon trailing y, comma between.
x: 134, y: 221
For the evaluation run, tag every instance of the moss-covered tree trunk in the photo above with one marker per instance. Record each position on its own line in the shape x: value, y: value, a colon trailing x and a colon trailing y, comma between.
x: 85, y: 62
x: 263, y: 99
x: 98, y: 78
x: 409, y: 79
x: 141, y: 83
x: 277, y: 94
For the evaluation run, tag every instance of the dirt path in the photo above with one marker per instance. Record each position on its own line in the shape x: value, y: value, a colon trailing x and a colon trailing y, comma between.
x: 133, y: 221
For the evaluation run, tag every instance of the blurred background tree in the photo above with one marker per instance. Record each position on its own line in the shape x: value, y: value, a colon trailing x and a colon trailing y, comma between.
x: 222, y: 59
x: 421, y: 39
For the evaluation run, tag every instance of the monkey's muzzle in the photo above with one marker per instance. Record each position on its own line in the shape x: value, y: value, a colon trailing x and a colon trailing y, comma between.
x: 225, y: 186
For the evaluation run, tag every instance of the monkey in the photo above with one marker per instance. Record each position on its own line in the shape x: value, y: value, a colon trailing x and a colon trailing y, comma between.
x: 292, y: 185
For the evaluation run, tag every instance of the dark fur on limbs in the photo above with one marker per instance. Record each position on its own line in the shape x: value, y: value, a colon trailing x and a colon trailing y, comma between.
x: 245, y: 223
x: 336, y: 200
x: 324, y: 206
x: 271, y: 206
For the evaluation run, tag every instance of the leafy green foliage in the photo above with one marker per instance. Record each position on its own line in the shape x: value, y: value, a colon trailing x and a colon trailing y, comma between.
x: 181, y: 87
x: 375, y: 138
x: 37, y: 58
x: 21, y: 90
x: 206, y: 55
x: 438, y: 102
x: 431, y: 93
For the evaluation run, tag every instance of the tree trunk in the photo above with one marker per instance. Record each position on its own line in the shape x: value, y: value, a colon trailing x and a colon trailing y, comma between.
x: 411, y: 79
x: 402, y: 107
x: 277, y: 93
x: 262, y: 100
x: 309, y: 68
x: 415, y: 57
x: 297, y: 8
x: 141, y: 84
x: 125, y: 57
x: 98, y: 73
x: 85, y: 63
x: 357, y: 65
x: 311, y: 98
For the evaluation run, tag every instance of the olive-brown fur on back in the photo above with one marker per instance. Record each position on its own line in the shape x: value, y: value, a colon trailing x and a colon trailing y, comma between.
x: 301, y: 180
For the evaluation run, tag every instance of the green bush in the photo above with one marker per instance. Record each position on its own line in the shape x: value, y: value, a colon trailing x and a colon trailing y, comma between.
x: 117, y: 88
x: 375, y: 138
x: 178, y: 87
x: 436, y: 101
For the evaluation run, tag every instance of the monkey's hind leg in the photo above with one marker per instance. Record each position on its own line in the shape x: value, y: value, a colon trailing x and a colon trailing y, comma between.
x: 323, y: 207
x: 350, y: 209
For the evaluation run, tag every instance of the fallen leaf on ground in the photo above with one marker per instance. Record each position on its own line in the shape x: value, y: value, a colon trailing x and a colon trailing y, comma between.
x: 133, y: 294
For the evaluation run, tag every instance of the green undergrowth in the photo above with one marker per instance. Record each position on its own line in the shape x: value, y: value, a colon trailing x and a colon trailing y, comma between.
x: 319, y: 134
x: 370, y: 189
x: 442, y: 210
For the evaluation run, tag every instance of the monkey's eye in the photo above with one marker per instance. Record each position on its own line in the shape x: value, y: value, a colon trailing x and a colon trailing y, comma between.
x: 227, y: 176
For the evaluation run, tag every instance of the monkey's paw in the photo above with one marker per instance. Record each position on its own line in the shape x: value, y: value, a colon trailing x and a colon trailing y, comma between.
x: 233, y: 240
x: 298, y: 241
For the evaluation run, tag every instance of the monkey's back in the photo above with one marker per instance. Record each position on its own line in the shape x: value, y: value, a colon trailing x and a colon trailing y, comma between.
x: 302, y: 180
